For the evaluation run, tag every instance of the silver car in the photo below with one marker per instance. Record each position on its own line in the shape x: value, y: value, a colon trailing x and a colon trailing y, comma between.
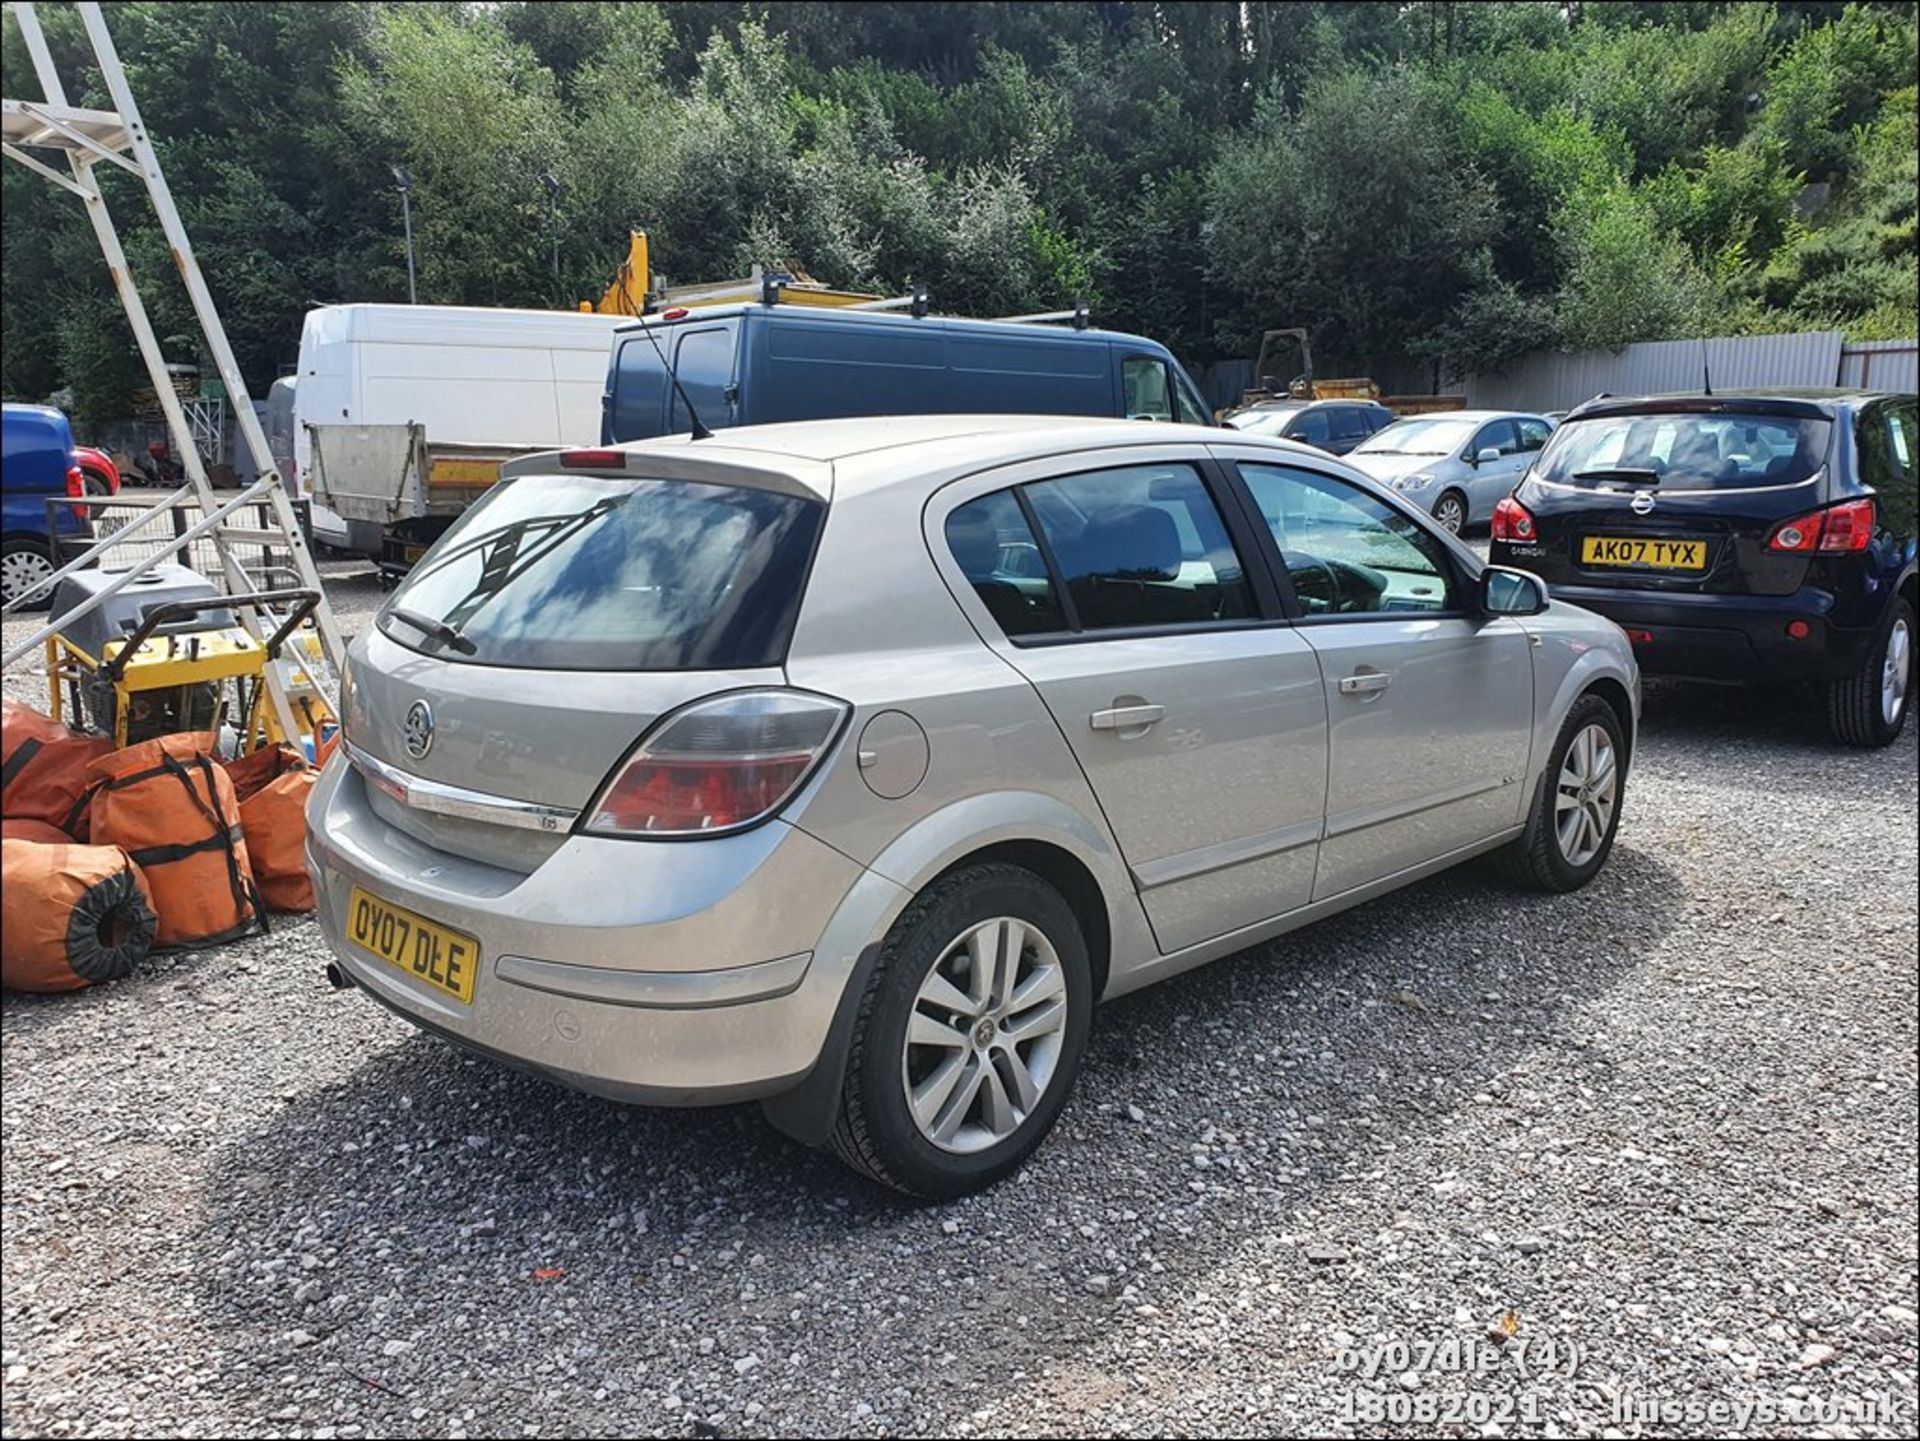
x: 1457, y: 465
x: 846, y: 765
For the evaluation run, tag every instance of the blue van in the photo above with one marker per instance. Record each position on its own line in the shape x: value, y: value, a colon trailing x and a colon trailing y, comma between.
x: 758, y: 364
x: 37, y: 462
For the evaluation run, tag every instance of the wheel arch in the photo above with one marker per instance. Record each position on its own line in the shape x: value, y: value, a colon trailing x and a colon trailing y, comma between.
x: 1615, y: 694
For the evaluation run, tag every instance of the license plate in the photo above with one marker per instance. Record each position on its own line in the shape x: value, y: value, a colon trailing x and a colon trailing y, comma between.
x: 445, y: 959
x: 1643, y: 554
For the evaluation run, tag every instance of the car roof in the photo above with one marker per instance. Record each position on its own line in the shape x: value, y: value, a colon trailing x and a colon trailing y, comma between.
x: 845, y: 457
x: 1474, y: 415
x: 1803, y: 400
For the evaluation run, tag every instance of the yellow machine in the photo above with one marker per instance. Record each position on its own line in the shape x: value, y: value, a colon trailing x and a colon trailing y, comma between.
x: 631, y: 292
x: 1267, y: 385
x: 172, y: 673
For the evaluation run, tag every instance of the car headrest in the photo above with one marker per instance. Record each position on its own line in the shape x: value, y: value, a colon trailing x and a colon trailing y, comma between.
x: 1133, y: 542
x: 975, y: 542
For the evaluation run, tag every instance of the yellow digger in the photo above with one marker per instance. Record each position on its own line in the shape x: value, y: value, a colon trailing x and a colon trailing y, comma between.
x: 632, y: 293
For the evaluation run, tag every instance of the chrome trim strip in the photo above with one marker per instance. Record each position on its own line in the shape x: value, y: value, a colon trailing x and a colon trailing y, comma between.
x: 1190, y: 864
x: 661, y: 990
x: 441, y: 799
x: 1811, y: 480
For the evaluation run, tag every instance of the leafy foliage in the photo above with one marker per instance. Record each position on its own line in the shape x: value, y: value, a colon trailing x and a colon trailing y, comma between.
x: 1425, y: 185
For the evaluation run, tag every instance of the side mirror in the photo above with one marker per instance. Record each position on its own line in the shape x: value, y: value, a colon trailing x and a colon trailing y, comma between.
x: 1511, y: 592
x: 1486, y: 454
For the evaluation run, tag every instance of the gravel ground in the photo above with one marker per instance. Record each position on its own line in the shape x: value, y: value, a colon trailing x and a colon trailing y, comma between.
x: 1665, y: 1126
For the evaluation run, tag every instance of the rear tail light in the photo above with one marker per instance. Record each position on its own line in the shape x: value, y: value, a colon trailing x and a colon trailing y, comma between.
x: 1839, y: 529
x: 1512, y: 520
x: 77, y: 487
x: 593, y: 459
x: 718, y: 765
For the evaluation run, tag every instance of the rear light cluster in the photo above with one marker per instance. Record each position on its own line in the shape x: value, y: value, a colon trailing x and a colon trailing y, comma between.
x: 77, y: 487
x: 1837, y: 530
x: 718, y: 765
x: 1512, y: 521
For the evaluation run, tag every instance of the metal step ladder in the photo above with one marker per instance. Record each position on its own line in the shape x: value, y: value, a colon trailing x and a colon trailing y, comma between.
x: 86, y: 138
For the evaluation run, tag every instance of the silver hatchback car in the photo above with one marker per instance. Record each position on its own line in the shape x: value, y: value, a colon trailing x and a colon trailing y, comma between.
x: 1455, y: 464
x: 847, y: 765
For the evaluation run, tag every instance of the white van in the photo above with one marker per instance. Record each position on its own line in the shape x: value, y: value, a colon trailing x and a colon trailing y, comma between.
x: 404, y: 412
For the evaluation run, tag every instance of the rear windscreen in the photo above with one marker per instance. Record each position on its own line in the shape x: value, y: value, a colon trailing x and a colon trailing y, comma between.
x: 564, y: 572
x: 1686, y: 452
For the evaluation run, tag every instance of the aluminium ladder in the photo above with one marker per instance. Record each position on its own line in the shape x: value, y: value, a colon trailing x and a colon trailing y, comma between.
x: 85, y: 138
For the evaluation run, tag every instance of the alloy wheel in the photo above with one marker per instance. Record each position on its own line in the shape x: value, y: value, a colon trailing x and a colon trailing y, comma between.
x: 1896, y: 672
x: 1589, y: 787
x: 1451, y: 514
x: 984, y: 1039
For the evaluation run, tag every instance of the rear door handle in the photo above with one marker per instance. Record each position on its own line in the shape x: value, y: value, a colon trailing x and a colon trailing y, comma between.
x: 1127, y: 717
x: 1363, y: 682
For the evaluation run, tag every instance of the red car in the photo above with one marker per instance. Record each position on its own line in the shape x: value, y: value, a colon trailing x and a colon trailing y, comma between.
x: 102, y: 475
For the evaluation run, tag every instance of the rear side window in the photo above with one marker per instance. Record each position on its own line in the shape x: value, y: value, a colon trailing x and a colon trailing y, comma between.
x: 1886, y: 443
x: 1533, y: 433
x: 1141, y: 546
x: 1686, y: 452
x: 996, y: 551
x: 565, y: 572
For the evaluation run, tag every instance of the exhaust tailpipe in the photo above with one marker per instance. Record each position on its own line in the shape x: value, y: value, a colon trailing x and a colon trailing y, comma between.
x: 338, y: 978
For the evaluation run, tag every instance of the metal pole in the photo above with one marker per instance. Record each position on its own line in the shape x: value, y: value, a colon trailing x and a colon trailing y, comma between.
x: 406, y: 219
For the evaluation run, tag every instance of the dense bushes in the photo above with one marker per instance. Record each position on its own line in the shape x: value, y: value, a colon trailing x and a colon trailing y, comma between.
x: 1430, y: 183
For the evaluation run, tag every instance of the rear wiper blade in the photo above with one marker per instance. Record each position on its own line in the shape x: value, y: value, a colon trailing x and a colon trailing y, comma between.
x: 1633, y: 475
x: 447, y: 635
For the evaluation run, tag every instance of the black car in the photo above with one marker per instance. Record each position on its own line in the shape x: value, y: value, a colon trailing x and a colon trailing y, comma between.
x: 1764, y: 535
x: 1335, y: 426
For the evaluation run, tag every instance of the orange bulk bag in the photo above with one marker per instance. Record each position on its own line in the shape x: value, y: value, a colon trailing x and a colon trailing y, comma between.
x: 75, y: 916
x: 171, y: 808
x: 272, y: 784
x: 43, y: 768
x: 22, y: 828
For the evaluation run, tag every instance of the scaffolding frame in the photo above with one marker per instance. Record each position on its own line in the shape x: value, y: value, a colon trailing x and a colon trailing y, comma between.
x: 85, y: 139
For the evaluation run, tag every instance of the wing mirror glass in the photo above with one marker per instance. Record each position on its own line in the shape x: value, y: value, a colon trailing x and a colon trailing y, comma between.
x: 1511, y: 592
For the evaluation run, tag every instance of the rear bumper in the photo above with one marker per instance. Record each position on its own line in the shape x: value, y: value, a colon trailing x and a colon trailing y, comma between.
x: 642, y: 989
x: 1730, y: 637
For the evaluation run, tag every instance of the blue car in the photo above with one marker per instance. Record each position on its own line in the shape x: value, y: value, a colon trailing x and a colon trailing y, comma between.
x: 39, y: 462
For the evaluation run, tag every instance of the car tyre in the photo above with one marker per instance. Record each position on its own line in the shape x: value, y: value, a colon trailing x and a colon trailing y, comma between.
x: 876, y: 1131
x: 1450, y: 510
x: 1869, y: 708
x: 1542, y: 858
x: 25, y: 563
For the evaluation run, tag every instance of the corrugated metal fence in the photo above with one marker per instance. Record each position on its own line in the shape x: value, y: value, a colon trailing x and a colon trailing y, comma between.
x: 1881, y: 365
x: 1552, y: 381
